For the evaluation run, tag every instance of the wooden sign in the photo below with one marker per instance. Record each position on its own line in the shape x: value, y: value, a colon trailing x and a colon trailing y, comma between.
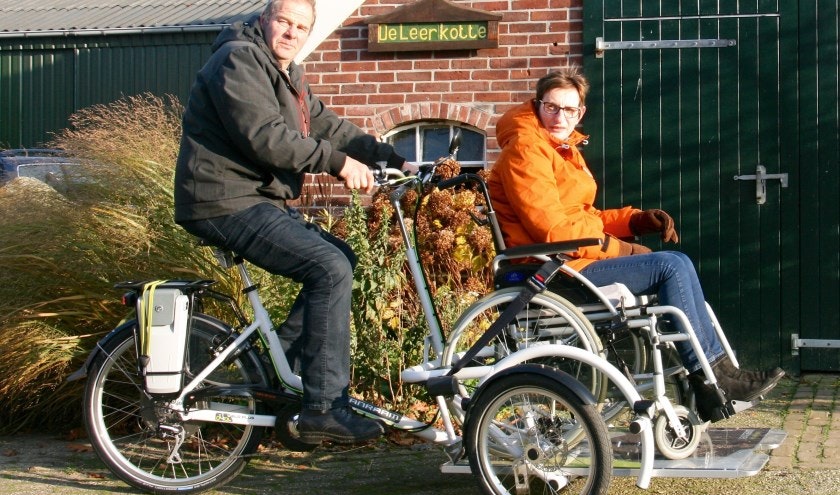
x: 433, y: 25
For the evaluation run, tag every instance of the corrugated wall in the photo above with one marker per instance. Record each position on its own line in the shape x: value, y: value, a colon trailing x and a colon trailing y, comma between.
x: 43, y: 81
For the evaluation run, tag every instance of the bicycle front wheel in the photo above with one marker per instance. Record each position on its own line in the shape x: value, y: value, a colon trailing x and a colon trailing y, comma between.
x: 144, y: 442
x: 523, y: 436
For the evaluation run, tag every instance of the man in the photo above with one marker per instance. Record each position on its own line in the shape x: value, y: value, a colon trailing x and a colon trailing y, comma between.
x: 251, y: 130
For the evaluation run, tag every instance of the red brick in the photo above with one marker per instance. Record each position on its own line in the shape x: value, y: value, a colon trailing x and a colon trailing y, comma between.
x: 380, y: 76
x: 414, y: 76
x: 394, y: 65
x: 451, y: 75
x: 432, y: 87
x: 396, y: 88
x: 432, y: 64
x: 340, y: 78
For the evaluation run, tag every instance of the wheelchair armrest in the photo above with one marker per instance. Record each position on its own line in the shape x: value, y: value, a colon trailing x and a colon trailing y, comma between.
x: 549, y: 248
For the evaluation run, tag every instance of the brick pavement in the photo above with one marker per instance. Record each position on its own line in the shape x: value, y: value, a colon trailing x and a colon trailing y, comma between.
x: 812, y: 422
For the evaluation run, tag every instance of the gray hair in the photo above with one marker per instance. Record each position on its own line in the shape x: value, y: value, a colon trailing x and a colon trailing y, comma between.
x: 271, y: 6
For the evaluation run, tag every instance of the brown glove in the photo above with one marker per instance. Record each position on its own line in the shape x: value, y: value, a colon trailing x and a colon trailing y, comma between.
x: 649, y: 221
x: 629, y: 248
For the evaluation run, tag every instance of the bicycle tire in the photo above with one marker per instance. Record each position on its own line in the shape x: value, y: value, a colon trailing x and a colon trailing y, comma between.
x: 125, y: 425
x: 518, y: 439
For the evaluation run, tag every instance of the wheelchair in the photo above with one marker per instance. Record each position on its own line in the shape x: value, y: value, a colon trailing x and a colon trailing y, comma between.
x: 633, y: 332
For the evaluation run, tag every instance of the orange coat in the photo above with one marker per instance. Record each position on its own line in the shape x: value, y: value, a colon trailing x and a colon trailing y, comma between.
x: 543, y: 191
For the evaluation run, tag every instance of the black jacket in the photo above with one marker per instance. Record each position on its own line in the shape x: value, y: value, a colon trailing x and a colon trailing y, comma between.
x: 251, y: 131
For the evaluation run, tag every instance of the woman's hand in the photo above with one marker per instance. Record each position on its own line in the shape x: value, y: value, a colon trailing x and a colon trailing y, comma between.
x: 650, y: 221
x: 629, y: 248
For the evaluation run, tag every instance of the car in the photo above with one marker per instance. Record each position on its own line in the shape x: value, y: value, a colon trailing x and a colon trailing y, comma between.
x: 49, y: 165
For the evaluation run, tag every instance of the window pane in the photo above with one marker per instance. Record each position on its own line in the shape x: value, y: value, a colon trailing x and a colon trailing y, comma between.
x: 472, y: 146
x: 435, y: 143
x: 404, y: 144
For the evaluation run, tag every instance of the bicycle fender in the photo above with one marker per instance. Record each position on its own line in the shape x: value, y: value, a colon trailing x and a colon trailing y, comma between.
x: 83, y: 371
x: 547, y: 371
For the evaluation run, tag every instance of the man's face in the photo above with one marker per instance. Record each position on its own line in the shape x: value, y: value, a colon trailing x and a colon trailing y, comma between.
x: 287, y: 28
x: 560, y: 111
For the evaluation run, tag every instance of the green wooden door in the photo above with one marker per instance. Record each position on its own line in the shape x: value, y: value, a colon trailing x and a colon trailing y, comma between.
x: 687, y: 96
x: 817, y: 61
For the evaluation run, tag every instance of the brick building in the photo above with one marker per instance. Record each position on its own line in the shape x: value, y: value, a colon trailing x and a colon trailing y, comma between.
x: 414, y: 97
x: 383, y: 91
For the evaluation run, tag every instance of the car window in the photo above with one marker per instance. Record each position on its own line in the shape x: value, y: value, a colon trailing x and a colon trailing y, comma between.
x: 41, y: 171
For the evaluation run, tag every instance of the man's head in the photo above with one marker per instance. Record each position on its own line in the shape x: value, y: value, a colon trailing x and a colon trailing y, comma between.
x: 560, y: 102
x: 286, y: 25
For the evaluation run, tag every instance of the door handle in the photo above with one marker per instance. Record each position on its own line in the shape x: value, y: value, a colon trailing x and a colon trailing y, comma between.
x: 760, y: 179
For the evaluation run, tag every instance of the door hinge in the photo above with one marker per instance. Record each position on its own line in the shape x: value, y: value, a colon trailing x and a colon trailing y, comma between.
x: 761, y: 176
x: 796, y: 343
x: 601, y: 46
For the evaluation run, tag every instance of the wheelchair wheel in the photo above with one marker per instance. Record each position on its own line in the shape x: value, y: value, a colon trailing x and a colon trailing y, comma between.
x: 668, y: 444
x: 633, y: 351
x: 143, y: 442
x: 547, y: 319
x: 523, y: 437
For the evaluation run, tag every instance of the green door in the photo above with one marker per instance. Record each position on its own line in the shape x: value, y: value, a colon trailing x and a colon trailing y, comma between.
x: 690, y: 102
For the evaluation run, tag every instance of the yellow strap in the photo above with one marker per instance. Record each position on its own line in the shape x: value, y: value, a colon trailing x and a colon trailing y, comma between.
x: 144, y: 315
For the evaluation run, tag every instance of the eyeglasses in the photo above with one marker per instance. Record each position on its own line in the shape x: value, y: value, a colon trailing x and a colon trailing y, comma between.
x: 570, y: 113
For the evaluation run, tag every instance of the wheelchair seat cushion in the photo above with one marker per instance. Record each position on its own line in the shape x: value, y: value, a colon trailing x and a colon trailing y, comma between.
x: 511, y: 275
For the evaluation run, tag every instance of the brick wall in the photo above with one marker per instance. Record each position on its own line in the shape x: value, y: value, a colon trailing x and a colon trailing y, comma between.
x: 382, y: 90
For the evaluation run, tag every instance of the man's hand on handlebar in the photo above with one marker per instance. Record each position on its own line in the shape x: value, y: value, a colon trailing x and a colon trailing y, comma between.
x: 357, y: 175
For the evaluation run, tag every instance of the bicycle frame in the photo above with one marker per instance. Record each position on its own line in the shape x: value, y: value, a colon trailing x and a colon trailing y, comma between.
x: 446, y: 436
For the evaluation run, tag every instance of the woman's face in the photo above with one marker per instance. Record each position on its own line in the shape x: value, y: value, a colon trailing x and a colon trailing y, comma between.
x: 560, y: 111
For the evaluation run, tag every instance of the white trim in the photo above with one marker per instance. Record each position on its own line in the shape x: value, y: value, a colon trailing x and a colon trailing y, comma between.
x: 330, y: 14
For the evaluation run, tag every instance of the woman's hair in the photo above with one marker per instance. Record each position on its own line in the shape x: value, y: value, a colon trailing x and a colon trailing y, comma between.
x: 567, y: 77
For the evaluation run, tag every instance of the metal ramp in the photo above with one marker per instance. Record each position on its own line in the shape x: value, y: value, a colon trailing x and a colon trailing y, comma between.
x: 722, y: 453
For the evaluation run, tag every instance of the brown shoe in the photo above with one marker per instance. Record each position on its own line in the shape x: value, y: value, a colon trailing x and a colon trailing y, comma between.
x: 742, y: 384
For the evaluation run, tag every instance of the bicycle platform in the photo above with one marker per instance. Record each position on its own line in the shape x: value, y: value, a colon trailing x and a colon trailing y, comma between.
x: 722, y: 453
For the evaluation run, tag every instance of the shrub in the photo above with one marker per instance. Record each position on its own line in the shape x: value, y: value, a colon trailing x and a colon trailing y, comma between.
x: 61, y: 254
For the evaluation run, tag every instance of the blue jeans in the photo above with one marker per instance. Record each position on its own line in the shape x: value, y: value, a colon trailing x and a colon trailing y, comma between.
x: 316, y: 333
x: 672, y: 277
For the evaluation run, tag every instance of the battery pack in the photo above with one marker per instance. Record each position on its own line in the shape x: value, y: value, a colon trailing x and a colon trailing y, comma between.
x: 163, y: 328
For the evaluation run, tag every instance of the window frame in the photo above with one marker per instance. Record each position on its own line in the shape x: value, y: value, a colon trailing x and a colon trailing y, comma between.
x: 418, y: 127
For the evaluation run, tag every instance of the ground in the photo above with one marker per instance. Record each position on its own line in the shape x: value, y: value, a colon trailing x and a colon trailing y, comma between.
x: 805, y: 464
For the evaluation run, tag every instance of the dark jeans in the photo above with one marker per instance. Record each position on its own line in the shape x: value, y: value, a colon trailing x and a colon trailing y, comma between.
x: 317, y: 329
x: 670, y: 275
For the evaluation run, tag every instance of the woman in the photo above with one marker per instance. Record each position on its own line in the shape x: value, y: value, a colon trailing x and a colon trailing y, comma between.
x: 543, y: 191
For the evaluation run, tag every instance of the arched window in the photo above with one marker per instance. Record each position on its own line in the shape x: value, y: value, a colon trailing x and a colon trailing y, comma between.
x: 426, y: 141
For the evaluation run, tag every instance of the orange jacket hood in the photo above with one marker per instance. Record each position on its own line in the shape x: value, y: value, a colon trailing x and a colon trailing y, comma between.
x: 543, y: 191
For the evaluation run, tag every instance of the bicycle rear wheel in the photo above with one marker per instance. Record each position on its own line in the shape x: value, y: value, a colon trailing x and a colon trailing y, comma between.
x: 523, y: 437
x: 144, y: 442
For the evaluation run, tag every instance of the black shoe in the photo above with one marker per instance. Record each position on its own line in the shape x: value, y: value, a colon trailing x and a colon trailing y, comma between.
x: 744, y: 385
x: 709, y: 400
x: 338, y: 425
